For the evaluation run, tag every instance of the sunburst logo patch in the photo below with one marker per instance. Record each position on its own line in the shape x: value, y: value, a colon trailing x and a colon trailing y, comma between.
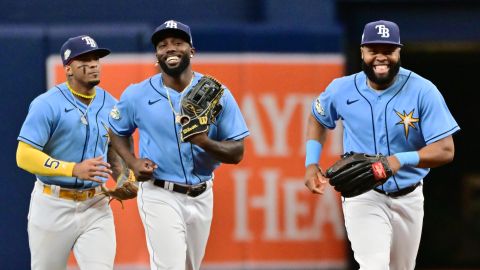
x: 408, y: 121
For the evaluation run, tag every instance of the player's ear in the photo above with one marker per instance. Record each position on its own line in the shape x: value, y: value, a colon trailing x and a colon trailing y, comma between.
x: 192, y: 52
x: 361, y: 52
x: 68, y: 70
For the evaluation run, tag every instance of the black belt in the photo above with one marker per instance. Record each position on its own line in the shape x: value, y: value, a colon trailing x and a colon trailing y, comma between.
x: 192, y: 191
x: 399, y: 193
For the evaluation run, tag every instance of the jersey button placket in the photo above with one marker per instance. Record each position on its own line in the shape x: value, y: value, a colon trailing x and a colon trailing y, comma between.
x: 93, y: 134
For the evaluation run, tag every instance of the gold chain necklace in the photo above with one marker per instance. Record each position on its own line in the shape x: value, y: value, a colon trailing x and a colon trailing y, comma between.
x: 177, y: 114
x: 83, y: 116
x: 81, y: 95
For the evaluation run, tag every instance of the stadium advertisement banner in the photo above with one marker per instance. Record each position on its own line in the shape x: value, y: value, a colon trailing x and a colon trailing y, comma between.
x: 264, y: 216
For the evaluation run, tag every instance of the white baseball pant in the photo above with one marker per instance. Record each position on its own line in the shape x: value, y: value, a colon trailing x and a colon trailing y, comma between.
x: 177, y: 226
x: 56, y: 226
x: 384, y: 232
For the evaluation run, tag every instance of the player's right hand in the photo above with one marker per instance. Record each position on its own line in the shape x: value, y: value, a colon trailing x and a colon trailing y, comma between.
x: 89, y: 169
x: 394, y: 164
x: 314, y: 179
x: 143, y: 169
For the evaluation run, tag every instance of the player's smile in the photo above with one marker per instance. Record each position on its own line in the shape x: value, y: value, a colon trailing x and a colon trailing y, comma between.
x: 174, y: 63
x: 381, y: 69
x: 173, y: 60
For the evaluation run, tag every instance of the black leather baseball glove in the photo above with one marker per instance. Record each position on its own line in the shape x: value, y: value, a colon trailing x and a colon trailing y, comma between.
x: 357, y: 173
x: 200, y: 107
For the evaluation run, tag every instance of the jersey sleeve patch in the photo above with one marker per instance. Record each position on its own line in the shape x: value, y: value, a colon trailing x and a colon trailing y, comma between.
x: 115, y: 113
x: 318, y: 107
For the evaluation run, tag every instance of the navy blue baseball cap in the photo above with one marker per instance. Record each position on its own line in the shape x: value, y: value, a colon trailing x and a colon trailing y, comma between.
x: 381, y: 32
x: 172, y: 27
x: 77, y: 46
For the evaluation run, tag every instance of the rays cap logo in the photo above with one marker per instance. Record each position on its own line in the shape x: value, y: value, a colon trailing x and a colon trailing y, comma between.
x: 381, y: 32
x: 80, y: 45
x: 172, y: 28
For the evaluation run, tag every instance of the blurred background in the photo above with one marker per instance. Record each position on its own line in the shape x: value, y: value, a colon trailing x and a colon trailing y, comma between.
x: 442, y: 43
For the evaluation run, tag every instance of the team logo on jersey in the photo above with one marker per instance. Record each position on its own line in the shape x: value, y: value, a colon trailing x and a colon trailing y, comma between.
x: 66, y: 54
x: 319, y: 108
x: 115, y: 113
x: 408, y: 121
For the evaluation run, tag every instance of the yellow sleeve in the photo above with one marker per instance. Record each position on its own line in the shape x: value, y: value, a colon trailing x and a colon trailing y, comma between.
x: 37, y: 162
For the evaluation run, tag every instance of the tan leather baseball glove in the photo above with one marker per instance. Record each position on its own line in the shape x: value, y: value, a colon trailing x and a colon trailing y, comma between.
x: 125, y: 189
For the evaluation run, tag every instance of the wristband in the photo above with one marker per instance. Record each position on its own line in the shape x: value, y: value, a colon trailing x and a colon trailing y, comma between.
x: 408, y: 158
x: 313, y: 152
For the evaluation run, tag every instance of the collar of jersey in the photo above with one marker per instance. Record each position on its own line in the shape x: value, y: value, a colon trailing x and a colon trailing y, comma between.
x: 196, y: 78
x: 71, y: 97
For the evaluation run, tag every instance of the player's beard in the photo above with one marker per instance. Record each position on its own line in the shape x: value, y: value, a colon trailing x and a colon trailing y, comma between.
x: 93, y: 83
x: 175, y: 72
x: 392, y: 72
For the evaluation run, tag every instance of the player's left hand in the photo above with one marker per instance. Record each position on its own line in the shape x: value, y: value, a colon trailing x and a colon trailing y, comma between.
x: 143, y: 169
x: 314, y: 179
x: 198, y: 139
x: 200, y: 107
x: 357, y: 173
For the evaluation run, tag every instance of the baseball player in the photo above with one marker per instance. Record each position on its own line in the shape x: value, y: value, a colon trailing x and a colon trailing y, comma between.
x: 389, y: 110
x: 64, y: 142
x: 175, y: 200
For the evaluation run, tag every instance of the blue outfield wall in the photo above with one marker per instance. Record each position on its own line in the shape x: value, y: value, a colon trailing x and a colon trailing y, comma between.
x: 22, y: 79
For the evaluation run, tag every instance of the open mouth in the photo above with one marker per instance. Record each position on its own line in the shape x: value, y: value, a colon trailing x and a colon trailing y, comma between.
x: 172, y: 60
x: 381, y: 69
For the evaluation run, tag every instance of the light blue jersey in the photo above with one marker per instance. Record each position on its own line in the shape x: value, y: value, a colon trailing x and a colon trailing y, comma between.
x: 146, y: 106
x: 54, y: 126
x: 407, y: 116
